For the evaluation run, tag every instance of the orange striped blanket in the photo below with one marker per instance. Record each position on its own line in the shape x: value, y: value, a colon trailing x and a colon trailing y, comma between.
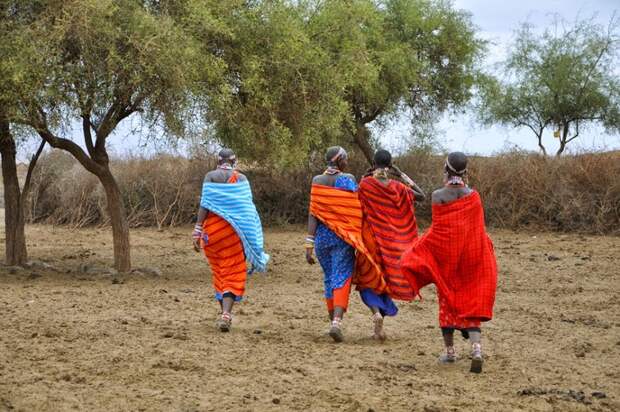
x: 341, y: 212
x: 224, y: 251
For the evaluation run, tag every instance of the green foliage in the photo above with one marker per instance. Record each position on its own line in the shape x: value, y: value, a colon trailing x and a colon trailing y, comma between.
x: 283, y: 101
x: 307, y: 74
x: 274, y: 79
x: 564, y: 78
x: 104, y: 60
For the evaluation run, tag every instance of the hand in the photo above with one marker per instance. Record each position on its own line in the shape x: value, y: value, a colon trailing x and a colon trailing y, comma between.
x: 196, y: 236
x: 309, y: 256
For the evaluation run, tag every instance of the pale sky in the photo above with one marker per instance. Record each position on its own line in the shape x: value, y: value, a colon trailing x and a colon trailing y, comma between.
x: 496, y: 21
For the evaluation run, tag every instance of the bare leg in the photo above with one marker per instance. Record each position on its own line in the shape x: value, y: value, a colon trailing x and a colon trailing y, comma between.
x: 448, y: 340
x: 341, y: 301
x: 225, y: 321
x: 227, y: 304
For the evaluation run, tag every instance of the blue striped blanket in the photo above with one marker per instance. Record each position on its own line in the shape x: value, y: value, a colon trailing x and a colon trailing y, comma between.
x: 233, y: 202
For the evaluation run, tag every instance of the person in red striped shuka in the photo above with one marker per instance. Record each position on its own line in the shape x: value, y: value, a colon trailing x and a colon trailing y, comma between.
x: 388, y: 199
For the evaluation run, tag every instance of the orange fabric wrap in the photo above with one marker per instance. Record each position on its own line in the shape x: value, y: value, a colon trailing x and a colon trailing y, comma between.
x: 341, y: 211
x: 341, y: 297
x: 224, y: 252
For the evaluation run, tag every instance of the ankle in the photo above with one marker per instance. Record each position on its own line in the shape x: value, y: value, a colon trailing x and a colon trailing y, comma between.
x: 476, y: 349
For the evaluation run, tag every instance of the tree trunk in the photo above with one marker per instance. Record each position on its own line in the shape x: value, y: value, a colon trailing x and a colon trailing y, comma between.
x: 562, y: 140
x: 120, y: 227
x: 362, y: 139
x: 540, y: 144
x: 15, y: 239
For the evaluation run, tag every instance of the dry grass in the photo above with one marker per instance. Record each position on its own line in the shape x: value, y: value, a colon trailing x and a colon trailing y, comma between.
x: 574, y: 193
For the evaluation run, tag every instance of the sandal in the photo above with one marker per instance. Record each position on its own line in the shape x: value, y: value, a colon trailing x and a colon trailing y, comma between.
x: 335, y: 331
x: 476, y: 358
x: 224, y: 322
x: 449, y: 357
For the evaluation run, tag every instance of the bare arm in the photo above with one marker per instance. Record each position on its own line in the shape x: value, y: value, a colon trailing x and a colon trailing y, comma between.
x: 202, y: 215
x: 420, y: 196
x: 312, y: 224
x: 312, y: 221
x: 202, y: 212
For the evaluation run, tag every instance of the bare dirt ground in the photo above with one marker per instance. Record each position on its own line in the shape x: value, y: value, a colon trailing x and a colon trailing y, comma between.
x: 72, y: 338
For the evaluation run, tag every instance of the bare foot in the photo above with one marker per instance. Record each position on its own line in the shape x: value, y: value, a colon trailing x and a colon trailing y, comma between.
x: 379, y: 333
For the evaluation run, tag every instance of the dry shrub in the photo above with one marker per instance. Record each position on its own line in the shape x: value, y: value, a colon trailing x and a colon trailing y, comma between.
x: 63, y: 192
x: 573, y: 193
x: 160, y: 191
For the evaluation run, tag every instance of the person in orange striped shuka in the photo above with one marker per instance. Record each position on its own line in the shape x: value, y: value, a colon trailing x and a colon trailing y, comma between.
x: 335, y: 231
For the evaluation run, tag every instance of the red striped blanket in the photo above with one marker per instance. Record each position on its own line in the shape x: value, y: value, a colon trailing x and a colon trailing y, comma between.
x: 389, y: 212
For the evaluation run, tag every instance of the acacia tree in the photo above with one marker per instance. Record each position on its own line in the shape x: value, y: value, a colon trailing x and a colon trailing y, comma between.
x: 283, y: 98
x: 564, y: 78
x: 305, y: 74
x: 397, y: 55
x: 98, y: 63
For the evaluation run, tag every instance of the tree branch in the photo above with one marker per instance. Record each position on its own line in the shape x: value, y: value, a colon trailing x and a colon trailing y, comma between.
x: 116, y: 113
x: 88, y: 137
x: 576, y: 132
x: 372, y: 116
x: 31, y: 165
x: 42, y: 128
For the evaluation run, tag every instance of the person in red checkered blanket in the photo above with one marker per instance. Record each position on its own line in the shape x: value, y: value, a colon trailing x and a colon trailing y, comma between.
x: 456, y: 255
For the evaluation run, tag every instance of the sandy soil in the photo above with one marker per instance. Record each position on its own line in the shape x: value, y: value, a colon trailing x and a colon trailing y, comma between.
x: 72, y: 338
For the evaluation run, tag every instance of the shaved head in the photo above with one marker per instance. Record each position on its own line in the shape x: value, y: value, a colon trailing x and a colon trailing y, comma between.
x: 226, y: 156
x: 382, y: 158
x: 334, y: 154
x: 456, y: 164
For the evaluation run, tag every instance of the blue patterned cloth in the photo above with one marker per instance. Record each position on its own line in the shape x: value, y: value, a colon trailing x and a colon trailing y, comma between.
x: 386, y: 305
x: 336, y: 257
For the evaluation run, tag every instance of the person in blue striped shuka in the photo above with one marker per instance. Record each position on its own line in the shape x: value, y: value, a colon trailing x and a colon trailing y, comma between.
x: 229, y: 232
